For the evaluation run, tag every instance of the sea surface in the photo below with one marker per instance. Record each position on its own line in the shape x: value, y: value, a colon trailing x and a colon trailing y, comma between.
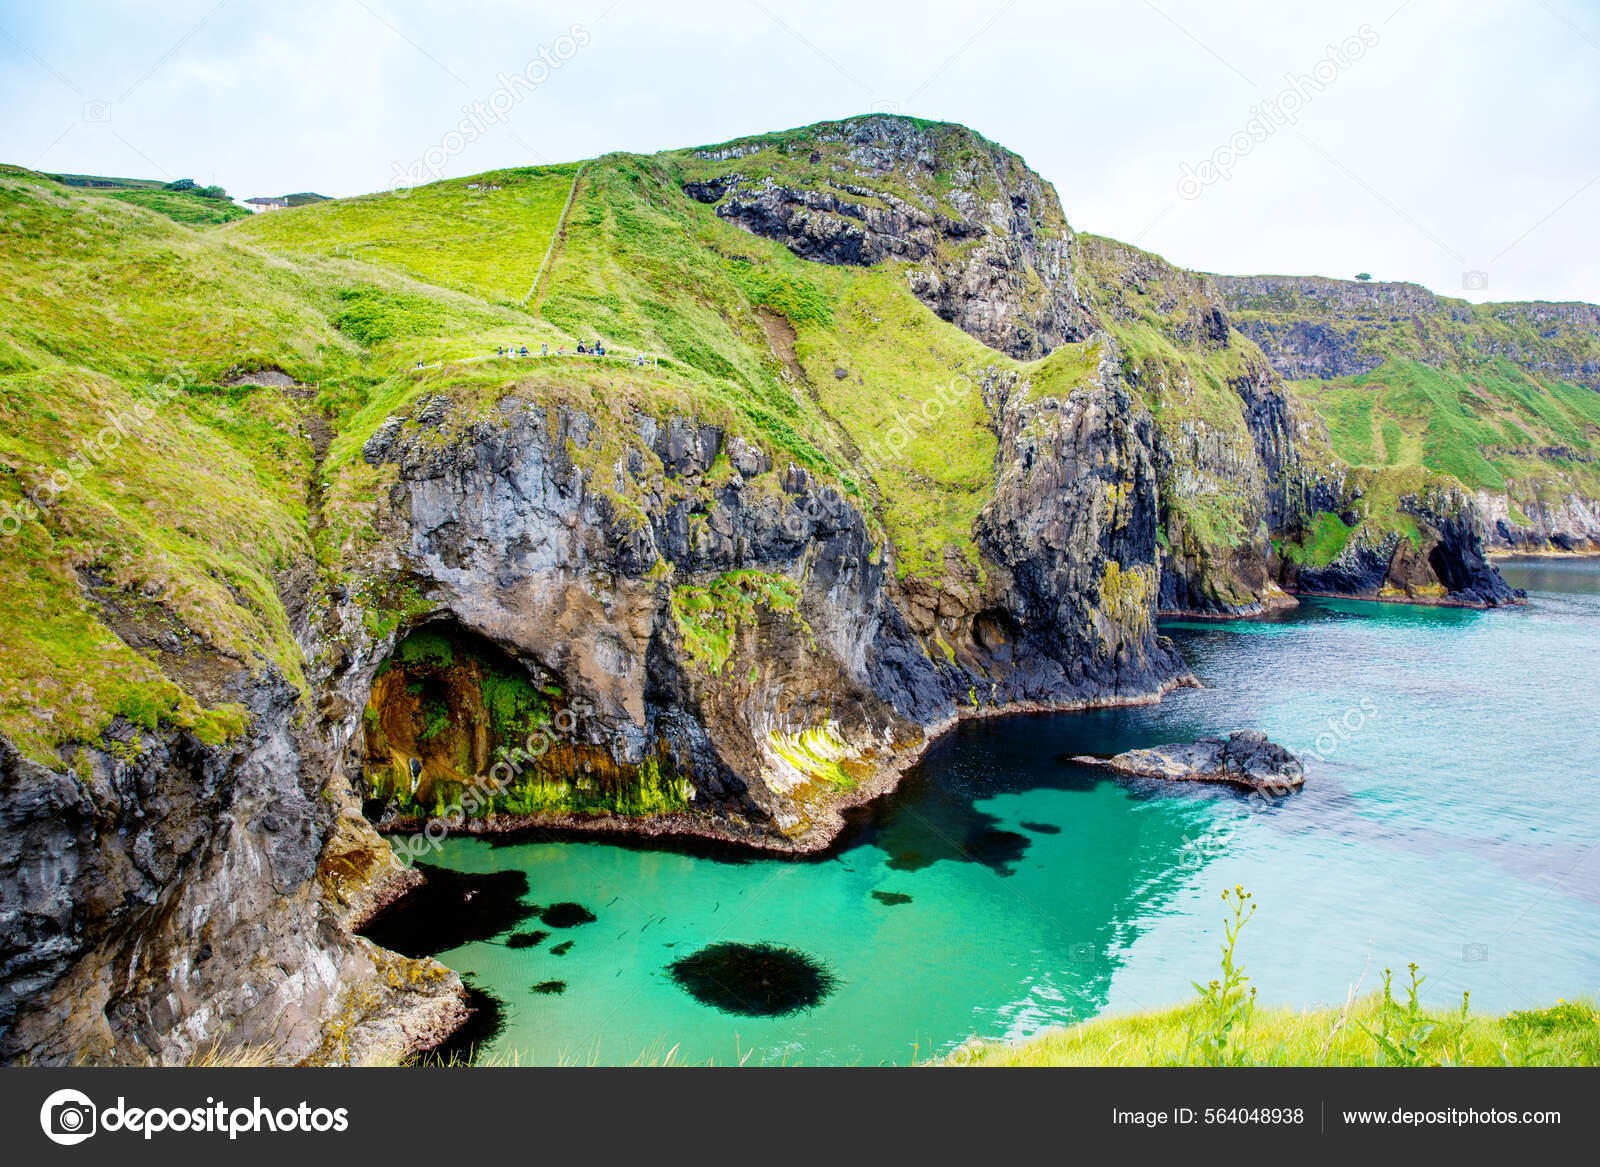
x: 1450, y: 817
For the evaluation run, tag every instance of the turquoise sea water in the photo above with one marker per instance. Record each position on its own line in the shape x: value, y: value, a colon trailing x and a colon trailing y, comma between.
x: 1450, y: 816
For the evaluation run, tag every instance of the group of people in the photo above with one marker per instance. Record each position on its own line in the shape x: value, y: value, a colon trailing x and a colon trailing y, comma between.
x: 592, y: 350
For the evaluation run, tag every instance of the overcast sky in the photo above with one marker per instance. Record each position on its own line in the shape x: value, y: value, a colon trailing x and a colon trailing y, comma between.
x: 1454, y: 144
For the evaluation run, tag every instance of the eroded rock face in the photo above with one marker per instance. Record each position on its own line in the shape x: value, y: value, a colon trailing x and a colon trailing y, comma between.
x: 1447, y: 566
x: 1244, y: 758
x: 1570, y: 524
x: 153, y: 909
x: 583, y: 552
x: 985, y: 242
x: 1073, y: 525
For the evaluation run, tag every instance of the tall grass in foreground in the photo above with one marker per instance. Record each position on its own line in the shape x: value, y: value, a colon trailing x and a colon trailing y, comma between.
x: 1224, y: 1026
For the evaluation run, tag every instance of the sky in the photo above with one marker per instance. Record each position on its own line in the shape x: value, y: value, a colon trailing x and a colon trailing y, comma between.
x: 1456, y: 144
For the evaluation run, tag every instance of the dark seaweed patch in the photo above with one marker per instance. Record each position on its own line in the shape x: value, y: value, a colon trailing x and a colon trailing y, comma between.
x: 451, y: 909
x: 561, y: 949
x: 753, y: 980
x: 566, y: 915
x: 1041, y: 828
x: 526, y: 939
x: 891, y: 897
x: 548, y: 987
x: 997, y: 850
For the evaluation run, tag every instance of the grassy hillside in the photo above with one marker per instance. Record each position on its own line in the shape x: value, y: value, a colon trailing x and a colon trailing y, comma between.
x: 485, y: 235
x: 837, y: 366
x: 188, y: 206
x: 177, y: 533
x: 167, y: 503
x: 1492, y: 428
x: 1498, y: 397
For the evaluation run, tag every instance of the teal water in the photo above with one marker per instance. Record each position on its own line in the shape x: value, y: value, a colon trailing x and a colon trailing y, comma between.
x: 1450, y: 817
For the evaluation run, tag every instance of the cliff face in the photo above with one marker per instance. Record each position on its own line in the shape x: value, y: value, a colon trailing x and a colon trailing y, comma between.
x: 157, y: 904
x: 1314, y: 327
x: 986, y: 242
x: 1510, y: 413
x: 732, y: 623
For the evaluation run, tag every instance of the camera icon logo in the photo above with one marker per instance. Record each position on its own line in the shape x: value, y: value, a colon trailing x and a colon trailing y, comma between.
x: 1474, y: 281
x: 97, y: 111
x: 1474, y: 953
x: 68, y: 1117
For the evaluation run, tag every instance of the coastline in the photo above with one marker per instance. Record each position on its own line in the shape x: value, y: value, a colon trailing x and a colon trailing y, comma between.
x: 1416, y: 601
x: 823, y: 832
x: 1500, y: 556
x: 812, y: 844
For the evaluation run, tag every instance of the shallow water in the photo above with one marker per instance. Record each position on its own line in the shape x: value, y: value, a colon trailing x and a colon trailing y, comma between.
x: 1450, y: 817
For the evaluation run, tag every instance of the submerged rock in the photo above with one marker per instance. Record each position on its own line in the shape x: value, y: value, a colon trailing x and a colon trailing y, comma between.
x: 1245, y: 758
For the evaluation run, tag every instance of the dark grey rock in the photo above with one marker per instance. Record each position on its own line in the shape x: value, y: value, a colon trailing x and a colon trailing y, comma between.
x: 1244, y: 758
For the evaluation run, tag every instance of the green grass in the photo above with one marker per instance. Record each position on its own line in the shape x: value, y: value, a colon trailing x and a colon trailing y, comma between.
x: 1563, y: 1034
x: 485, y: 235
x: 1224, y: 1026
x: 195, y: 509
x: 711, y: 616
x: 1492, y: 428
x: 1322, y: 544
x: 182, y: 207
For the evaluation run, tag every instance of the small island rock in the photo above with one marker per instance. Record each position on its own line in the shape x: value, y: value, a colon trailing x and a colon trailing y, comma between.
x: 1245, y: 758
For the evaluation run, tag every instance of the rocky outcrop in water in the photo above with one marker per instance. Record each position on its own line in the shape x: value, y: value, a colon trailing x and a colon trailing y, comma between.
x: 1445, y: 564
x: 1244, y: 758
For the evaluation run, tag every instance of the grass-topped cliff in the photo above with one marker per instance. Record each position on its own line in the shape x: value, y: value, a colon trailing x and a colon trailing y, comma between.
x: 1503, y: 399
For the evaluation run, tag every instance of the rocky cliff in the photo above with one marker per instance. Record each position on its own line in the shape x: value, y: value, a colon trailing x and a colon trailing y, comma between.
x: 731, y: 623
x: 163, y: 899
x: 985, y: 241
x: 1502, y: 398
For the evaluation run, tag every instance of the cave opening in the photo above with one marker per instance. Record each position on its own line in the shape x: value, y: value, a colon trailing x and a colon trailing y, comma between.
x: 455, y: 724
x: 445, y: 707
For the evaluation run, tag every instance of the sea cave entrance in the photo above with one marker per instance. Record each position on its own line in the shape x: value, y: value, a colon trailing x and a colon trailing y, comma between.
x: 454, y: 723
